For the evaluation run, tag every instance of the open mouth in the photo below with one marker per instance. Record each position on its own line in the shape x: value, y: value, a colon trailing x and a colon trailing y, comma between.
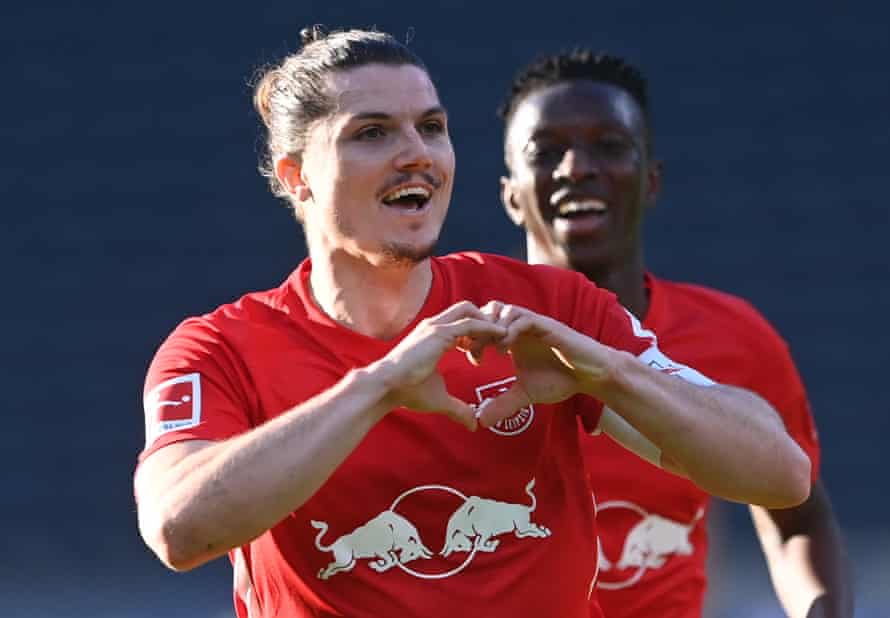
x: 575, y: 209
x: 409, y: 199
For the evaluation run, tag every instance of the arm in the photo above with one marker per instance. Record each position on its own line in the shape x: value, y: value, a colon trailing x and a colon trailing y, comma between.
x: 728, y: 441
x: 806, y: 557
x: 199, y: 499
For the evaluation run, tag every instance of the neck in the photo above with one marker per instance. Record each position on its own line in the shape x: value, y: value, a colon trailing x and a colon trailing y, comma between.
x: 372, y: 299
x: 624, y: 277
x: 626, y: 282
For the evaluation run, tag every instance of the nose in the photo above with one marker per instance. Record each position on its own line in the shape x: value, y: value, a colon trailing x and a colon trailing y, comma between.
x: 576, y: 164
x: 414, y: 153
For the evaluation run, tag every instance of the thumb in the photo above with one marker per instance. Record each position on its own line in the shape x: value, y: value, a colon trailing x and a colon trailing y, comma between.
x: 441, y: 401
x: 492, y: 411
x: 460, y: 412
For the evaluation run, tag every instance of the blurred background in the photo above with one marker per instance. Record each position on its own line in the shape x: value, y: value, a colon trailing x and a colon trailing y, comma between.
x: 131, y: 200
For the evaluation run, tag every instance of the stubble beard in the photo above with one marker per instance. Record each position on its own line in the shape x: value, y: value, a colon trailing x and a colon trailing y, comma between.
x: 399, y: 254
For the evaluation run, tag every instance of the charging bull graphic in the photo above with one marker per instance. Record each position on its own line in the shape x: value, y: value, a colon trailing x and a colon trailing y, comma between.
x: 389, y: 537
x: 648, y: 544
x: 655, y: 538
x: 474, y: 524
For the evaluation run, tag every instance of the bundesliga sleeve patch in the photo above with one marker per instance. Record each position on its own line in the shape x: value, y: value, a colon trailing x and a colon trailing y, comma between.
x: 171, y: 405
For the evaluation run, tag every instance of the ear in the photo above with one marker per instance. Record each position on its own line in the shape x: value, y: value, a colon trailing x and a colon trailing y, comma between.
x: 289, y: 172
x: 653, y: 182
x: 508, y: 199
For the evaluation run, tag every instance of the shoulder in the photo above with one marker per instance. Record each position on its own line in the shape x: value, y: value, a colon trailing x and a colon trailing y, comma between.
x: 560, y: 293
x: 724, y: 311
x: 503, y: 272
x: 229, y: 323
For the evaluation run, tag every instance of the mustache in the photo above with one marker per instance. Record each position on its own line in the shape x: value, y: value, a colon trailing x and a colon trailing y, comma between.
x: 401, y: 179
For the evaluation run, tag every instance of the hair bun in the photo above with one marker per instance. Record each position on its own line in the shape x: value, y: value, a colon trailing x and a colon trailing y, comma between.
x: 313, y: 33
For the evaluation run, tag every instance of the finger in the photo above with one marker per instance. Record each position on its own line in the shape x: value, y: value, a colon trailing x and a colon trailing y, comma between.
x: 436, y: 398
x: 522, y: 325
x: 501, y: 312
x: 492, y: 309
x: 503, y: 406
x: 459, y: 411
x: 472, y: 334
x: 462, y: 309
x: 510, y: 313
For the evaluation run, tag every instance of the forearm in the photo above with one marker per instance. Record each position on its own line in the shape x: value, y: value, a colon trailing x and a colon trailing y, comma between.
x: 727, y: 441
x: 807, y: 559
x: 228, y: 493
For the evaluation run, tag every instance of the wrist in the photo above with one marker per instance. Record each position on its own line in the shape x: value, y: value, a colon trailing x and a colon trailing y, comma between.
x: 376, y: 381
x: 606, y: 377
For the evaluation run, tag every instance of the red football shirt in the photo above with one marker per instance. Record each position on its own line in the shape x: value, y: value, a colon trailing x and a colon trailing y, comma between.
x: 423, y: 518
x: 651, y: 524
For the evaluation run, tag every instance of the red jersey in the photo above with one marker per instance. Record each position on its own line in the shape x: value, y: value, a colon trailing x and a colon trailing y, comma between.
x: 651, y: 524
x: 423, y: 518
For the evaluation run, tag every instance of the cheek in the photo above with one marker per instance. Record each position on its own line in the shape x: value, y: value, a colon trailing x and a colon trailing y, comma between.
x: 539, y: 187
x: 627, y: 172
x: 445, y: 159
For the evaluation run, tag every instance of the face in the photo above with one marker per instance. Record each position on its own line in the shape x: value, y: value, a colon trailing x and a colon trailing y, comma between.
x: 580, y: 178
x: 376, y: 175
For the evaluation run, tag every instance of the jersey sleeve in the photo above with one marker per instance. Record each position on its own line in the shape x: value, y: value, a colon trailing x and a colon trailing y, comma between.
x: 778, y: 381
x: 193, y: 389
x: 611, y: 324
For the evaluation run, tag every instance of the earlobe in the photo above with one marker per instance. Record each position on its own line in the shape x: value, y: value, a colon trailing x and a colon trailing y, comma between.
x: 508, y: 199
x: 290, y: 173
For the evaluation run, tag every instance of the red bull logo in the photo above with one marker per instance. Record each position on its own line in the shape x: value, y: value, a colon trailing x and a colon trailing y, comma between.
x: 391, y: 540
x: 172, y: 404
x: 473, y: 526
x: 650, y: 541
x: 518, y: 421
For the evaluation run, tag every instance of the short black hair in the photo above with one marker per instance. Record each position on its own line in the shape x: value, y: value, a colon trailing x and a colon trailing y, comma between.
x: 579, y: 63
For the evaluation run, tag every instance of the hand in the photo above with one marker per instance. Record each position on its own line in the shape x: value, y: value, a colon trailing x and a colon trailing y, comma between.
x: 409, y: 370
x: 553, y: 361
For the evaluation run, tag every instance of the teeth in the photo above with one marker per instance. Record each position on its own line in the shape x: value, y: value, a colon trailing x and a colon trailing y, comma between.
x: 582, y: 206
x: 405, y: 192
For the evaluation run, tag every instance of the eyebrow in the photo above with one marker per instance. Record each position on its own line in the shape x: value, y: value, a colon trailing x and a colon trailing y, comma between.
x: 432, y: 111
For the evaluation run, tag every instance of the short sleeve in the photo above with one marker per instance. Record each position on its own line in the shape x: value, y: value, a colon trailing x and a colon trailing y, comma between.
x: 596, y: 313
x: 193, y: 389
x: 778, y: 381
x: 613, y: 325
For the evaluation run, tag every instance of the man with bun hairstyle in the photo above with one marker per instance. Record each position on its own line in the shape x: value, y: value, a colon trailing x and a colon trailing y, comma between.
x: 582, y: 176
x: 389, y: 433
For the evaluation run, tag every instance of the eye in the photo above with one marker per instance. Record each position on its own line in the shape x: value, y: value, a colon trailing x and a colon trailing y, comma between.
x: 612, y: 146
x: 432, y: 127
x: 545, y: 154
x: 371, y: 133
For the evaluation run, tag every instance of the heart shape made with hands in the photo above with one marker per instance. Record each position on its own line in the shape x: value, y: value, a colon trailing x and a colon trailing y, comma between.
x: 543, y: 374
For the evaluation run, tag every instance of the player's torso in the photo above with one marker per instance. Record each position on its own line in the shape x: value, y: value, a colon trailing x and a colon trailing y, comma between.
x: 652, y: 524
x: 423, y: 511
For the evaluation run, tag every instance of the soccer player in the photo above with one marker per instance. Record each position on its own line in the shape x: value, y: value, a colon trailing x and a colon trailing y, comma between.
x: 389, y: 433
x: 581, y: 178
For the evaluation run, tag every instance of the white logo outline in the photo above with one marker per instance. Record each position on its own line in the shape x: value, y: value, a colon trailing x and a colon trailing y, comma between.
x: 152, y: 403
x: 605, y: 565
x: 525, y: 414
x: 476, y: 522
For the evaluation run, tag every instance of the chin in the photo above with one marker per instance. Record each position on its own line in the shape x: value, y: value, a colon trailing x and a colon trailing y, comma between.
x: 589, y: 259
x: 407, y: 254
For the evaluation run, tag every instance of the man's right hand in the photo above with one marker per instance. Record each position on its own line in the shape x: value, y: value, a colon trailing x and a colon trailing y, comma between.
x: 409, y: 370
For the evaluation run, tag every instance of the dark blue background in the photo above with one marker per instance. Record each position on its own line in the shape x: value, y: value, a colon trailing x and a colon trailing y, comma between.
x: 131, y: 200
